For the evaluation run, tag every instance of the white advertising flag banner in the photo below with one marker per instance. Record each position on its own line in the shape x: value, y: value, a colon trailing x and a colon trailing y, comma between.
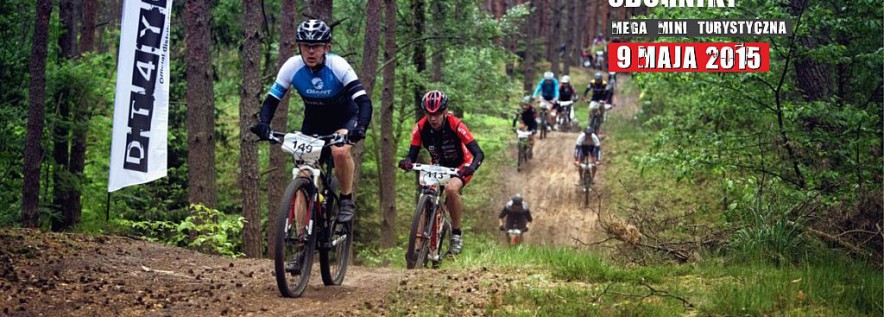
x: 141, y: 107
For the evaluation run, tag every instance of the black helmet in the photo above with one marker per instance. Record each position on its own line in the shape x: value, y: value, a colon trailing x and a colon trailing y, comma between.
x: 589, y: 131
x: 517, y: 199
x: 314, y: 31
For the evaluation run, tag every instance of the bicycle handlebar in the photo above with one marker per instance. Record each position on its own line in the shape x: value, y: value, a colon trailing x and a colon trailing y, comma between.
x: 335, y: 138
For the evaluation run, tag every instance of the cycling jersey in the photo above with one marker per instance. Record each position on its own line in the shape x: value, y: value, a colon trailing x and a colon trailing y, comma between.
x: 527, y: 117
x: 587, y: 146
x: 453, y: 145
x: 567, y: 93
x: 516, y: 215
x: 598, y: 90
x: 549, y: 89
x: 331, y: 94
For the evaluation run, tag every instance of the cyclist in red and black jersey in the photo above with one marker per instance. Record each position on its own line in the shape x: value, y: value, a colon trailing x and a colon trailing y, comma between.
x: 450, y: 144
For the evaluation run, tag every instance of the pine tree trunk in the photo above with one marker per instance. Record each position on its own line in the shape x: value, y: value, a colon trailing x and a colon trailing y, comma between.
x: 419, y: 58
x: 200, y: 105
x: 61, y: 187
x: 368, y: 76
x: 33, y: 153
x: 528, y: 62
x: 321, y: 9
x: 248, y: 153
x: 387, y: 184
x: 438, y: 58
x: 81, y: 116
x: 278, y: 177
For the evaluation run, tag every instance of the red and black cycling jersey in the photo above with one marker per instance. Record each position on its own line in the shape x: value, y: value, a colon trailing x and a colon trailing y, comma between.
x: 451, y: 146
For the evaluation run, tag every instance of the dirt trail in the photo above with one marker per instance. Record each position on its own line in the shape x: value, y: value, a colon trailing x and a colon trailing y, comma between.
x: 549, y: 186
x: 49, y: 274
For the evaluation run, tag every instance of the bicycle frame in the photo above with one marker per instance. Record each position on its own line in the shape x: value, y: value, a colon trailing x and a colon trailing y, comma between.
x: 316, y: 227
x: 433, y: 179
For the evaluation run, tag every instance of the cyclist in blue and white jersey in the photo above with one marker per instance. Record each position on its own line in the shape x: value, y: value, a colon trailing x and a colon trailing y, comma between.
x: 333, y: 97
x: 548, y: 88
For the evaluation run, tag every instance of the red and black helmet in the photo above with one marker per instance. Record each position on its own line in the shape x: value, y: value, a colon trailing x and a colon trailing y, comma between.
x: 434, y: 102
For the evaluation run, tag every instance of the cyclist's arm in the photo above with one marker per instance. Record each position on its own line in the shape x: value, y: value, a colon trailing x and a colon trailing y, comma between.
x: 363, y: 103
x: 478, y: 155
x: 585, y: 92
x: 556, y: 89
x: 467, y: 138
x: 503, y: 212
x: 278, y: 90
x: 416, y: 142
x: 528, y: 215
x: 268, y: 108
x: 353, y: 88
x: 537, y: 90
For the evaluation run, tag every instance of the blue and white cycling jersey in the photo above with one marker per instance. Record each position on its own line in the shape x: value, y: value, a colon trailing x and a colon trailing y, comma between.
x: 329, y: 93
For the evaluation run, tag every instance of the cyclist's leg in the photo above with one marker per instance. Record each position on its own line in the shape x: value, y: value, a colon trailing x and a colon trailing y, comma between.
x: 455, y: 207
x: 454, y: 203
x: 344, y: 170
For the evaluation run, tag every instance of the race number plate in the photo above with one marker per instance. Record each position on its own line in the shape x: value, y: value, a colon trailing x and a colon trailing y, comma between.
x: 303, y: 147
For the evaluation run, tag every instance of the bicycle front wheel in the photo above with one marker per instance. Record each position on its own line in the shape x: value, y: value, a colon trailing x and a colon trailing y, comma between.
x: 295, y: 245
x: 418, y: 242
x: 334, y: 255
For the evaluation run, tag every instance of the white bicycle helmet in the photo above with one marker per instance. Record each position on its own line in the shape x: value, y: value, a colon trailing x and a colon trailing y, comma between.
x: 548, y: 75
x: 566, y: 79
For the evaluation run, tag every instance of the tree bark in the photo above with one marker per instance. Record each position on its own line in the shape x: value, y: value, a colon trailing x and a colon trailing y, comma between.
x: 569, y: 33
x: 528, y: 61
x: 33, y: 153
x: 200, y: 105
x: 555, y: 42
x: 81, y: 114
x: 419, y: 57
x: 61, y: 187
x: 810, y: 75
x: 438, y: 58
x: 387, y: 184
x: 276, y: 180
x: 321, y: 9
x: 368, y: 74
x: 248, y: 157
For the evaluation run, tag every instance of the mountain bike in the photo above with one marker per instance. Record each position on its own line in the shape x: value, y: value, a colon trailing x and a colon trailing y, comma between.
x: 595, y: 115
x: 524, y: 148
x: 307, y: 215
x: 564, y: 120
x: 430, y: 227
x: 514, y: 236
x: 544, y: 117
x: 600, y: 60
x: 586, y: 177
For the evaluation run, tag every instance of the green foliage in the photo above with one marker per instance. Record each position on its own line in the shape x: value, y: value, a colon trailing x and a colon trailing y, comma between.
x: 212, y: 230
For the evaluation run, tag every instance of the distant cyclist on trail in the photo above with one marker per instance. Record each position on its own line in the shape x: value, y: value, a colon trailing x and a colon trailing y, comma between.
x: 527, y: 120
x: 516, y: 213
x: 566, y: 93
x: 599, y: 88
x: 588, y: 144
x: 548, y: 89
x: 333, y: 97
x: 450, y: 144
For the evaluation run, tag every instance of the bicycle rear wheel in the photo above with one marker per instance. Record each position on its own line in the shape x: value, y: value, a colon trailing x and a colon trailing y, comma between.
x: 334, y: 255
x: 418, y: 242
x: 294, y: 248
